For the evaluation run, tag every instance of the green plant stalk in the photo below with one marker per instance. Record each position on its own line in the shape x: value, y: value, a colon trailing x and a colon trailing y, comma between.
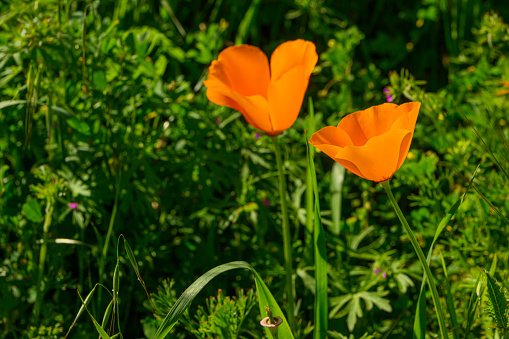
x: 42, y: 260
x: 422, y: 259
x: 286, y: 235
x: 108, y: 235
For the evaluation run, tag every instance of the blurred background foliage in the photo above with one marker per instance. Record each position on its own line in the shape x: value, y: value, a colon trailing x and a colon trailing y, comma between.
x: 105, y: 129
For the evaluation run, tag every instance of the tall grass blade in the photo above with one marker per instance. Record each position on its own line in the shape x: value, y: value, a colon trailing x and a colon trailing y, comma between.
x: 82, y: 309
x: 482, y: 141
x: 321, y: 314
x: 265, y: 298
x: 311, y: 127
x: 449, y: 301
x: 247, y: 22
x: 472, y: 305
x: 98, y: 327
x: 420, y: 313
x: 133, y: 261
x: 337, y: 178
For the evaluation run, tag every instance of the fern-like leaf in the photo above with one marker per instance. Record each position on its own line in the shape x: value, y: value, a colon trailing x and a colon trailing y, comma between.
x: 497, y: 306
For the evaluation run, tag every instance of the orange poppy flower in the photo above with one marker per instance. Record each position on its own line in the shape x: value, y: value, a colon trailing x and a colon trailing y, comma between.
x: 372, y: 143
x: 269, y: 99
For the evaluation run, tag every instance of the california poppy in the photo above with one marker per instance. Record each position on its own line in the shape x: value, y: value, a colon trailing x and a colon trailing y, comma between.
x: 372, y: 143
x: 269, y: 98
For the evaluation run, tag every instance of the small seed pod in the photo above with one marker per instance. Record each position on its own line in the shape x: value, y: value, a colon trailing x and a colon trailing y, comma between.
x: 271, y: 322
x: 272, y: 325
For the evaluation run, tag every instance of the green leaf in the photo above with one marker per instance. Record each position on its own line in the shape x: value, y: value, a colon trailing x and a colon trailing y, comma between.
x: 32, y: 210
x: 79, y: 126
x: 496, y: 304
x: 99, y: 80
x: 265, y: 298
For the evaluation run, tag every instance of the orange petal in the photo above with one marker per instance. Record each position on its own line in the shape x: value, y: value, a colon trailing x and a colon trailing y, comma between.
x: 374, y: 121
x: 255, y: 109
x: 408, y: 119
x: 291, y: 54
x: 378, y: 159
x: 285, y: 98
x: 242, y: 69
x: 330, y: 140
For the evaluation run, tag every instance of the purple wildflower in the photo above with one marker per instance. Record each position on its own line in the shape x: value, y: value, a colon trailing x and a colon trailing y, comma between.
x: 266, y: 202
x: 388, y: 97
x: 386, y: 90
x: 73, y: 205
x: 258, y: 135
x: 384, y: 275
x: 377, y: 270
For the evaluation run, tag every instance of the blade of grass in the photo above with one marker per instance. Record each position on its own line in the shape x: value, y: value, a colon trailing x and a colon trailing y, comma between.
x: 247, y: 22
x: 482, y: 141
x: 265, y: 298
x: 321, y: 314
x: 311, y: 127
x: 484, y: 198
x: 422, y: 259
x: 472, y: 305
x: 81, y: 310
x: 107, y: 314
x: 420, y: 314
x: 133, y: 261
x: 98, y: 327
x: 84, y: 305
x: 337, y: 178
x: 449, y: 301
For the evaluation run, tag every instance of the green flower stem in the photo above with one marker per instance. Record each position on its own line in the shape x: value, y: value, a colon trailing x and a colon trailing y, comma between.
x: 422, y: 258
x: 286, y: 236
x: 42, y: 260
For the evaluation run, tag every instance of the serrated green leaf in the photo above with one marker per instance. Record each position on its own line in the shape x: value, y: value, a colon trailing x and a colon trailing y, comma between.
x: 496, y: 304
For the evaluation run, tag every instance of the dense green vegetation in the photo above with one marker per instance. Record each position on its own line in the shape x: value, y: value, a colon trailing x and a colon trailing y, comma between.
x: 106, y: 130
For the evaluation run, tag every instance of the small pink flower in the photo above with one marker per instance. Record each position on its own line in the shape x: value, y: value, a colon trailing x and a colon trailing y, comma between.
x: 388, y: 97
x: 377, y: 270
x: 73, y: 205
x: 386, y: 90
x: 266, y: 202
x: 258, y: 135
x: 384, y: 275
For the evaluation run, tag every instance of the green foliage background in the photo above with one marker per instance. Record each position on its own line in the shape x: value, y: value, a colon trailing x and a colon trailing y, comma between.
x: 102, y: 103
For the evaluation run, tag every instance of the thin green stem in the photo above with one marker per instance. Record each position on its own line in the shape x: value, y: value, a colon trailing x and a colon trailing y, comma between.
x: 42, y: 260
x: 286, y: 235
x: 104, y: 252
x: 422, y: 259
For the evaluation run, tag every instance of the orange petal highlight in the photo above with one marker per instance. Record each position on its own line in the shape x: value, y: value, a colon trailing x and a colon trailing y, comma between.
x: 285, y: 98
x: 242, y: 69
x: 378, y: 158
x: 291, y: 54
